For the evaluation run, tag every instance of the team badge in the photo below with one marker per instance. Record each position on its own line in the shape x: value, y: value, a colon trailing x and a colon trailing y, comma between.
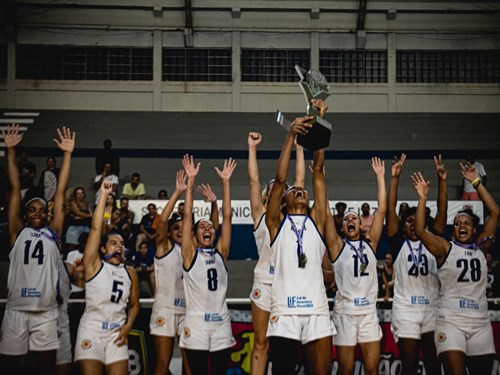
x: 187, y: 332
x: 441, y: 337
x: 274, y: 319
x: 160, y: 321
x: 257, y: 293
x: 86, y: 344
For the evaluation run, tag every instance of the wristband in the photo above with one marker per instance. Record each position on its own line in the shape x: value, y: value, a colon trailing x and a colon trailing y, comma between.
x: 476, y: 183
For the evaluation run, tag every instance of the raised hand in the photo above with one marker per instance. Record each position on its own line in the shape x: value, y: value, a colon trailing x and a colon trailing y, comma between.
x: 468, y: 172
x: 378, y: 166
x: 300, y: 125
x: 227, y: 171
x: 420, y: 185
x: 189, y: 167
x: 106, y: 189
x: 67, y: 142
x: 11, y: 136
x: 320, y: 106
x: 397, y: 165
x: 254, y: 139
x: 206, y: 192
x: 440, y: 167
x: 180, y: 181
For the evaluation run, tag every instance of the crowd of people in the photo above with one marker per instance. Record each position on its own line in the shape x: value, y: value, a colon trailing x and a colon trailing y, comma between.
x: 62, y: 243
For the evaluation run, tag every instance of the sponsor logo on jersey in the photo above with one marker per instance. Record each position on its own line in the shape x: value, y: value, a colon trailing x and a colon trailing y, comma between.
x: 468, y: 304
x: 210, y: 261
x: 361, y: 301
x: 86, y: 344
x: 213, y: 317
x: 274, y: 319
x: 187, y: 332
x: 257, y: 293
x: 180, y: 302
x: 160, y: 321
x: 30, y: 293
x: 299, y: 302
x: 441, y: 336
x: 271, y: 270
x: 117, y: 274
x: 110, y: 325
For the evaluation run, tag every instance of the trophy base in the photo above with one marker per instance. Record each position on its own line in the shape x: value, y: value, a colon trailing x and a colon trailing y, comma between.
x: 318, y: 136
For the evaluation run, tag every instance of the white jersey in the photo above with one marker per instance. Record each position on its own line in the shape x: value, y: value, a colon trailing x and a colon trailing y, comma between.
x: 417, y: 282
x: 264, y: 270
x: 205, y: 285
x: 296, y: 290
x: 63, y: 292
x: 72, y: 257
x: 32, y: 280
x: 169, y: 283
x: 463, y: 277
x: 106, y: 298
x: 356, y: 280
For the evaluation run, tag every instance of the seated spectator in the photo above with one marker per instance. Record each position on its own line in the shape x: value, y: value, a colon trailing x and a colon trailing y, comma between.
x: 403, y: 207
x: 162, y: 194
x: 107, y: 155
x: 80, y: 218
x: 365, y: 217
x: 340, y: 207
x: 48, y: 178
x: 27, y: 172
x: 469, y: 193
x: 116, y: 225
x: 143, y: 262
x: 388, y: 277
x: 106, y: 175
x: 493, y: 280
x: 135, y: 188
x: 147, y: 227
x: 126, y: 220
x: 108, y: 209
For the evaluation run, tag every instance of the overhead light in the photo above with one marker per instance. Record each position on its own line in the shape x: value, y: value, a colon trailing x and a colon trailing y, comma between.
x: 22, y: 114
x: 16, y: 121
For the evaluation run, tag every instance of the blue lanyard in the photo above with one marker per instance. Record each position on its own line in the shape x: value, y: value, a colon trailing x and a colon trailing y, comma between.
x: 359, y: 252
x: 415, y: 257
x: 300, y: 234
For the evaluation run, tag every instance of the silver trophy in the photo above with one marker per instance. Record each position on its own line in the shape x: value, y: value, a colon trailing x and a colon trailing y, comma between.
x: 314, y: 86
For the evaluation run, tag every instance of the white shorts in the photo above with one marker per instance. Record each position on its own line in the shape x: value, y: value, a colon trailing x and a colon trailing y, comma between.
x: 303, y: 328
x: 354, y: 329
x: 408, y: 324
x: 64, y: 352
x: 261, y: 295
x: 166, y: 323
x: 473, y: 336
x: 28, y: 330
x: 99, y: 345
x: 213, y: 340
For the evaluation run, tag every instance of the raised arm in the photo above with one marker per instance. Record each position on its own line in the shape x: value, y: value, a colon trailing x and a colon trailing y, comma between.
x: 224, y: 242
x: 392, y: 196
x: 188, y: 247
x: 318, y: 210
x: 66, y: 144
x: 438, y: 246
x: 300, y: 165
x: 378, y: 218
x: 257, y: 208
x: 491, y: 221
x: 12, y: 138
x: 299, y: 126
x: 162, y: 243
x: 205, y: 190
x: 442, y: 198
x: 91, y: 258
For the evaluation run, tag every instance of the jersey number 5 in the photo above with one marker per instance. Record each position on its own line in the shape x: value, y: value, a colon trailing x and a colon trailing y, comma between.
x: 117, y: 291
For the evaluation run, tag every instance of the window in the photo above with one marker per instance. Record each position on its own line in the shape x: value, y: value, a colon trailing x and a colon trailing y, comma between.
x: 365, y: 66
x: 3, y: 61
x: 197, y: 64
x: 273, y: 65
x: 84, y: 63
x: 454, y: 66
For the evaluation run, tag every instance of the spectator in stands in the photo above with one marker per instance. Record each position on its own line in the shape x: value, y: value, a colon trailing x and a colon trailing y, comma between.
x: 416, y: 287
x: 126, y: 217
x: 135, y: 188
x: 162, y: 194
x: 464, y: 336
x: 108, y: 209
x: 48, y: 178
x: 340, y: 208
x: 147, y: 227
x: 403, y: 207
x: 80, y: 218
x: 468, y: 191
x: 75, y: 257
x: 388, y: 276
x: 107, y: 174
x: 493, y: 284
x: 105, y: 156
x: 27, y: 172
x: 143, y: 262
x: 366, y: 218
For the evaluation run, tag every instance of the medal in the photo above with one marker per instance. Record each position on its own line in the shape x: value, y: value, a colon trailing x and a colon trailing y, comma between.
x: 302, y: 261
x: 363, y: 259
x: 363, y: 267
